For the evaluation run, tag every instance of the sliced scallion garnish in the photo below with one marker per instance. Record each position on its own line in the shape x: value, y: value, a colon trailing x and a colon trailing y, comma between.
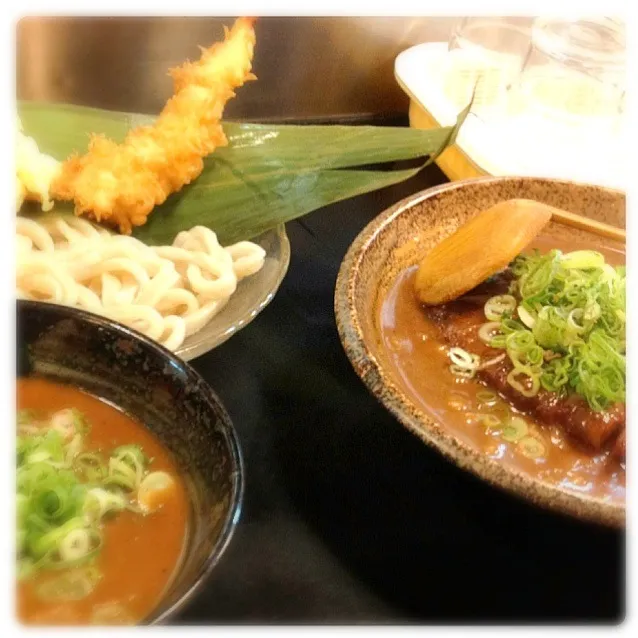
x: 65, y: 492
x: 570, y: 331
x: 515, y: 429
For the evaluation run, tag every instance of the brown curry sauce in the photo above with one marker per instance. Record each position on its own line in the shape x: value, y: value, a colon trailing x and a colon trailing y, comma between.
x: 420, y: 366
x: 140, y: 553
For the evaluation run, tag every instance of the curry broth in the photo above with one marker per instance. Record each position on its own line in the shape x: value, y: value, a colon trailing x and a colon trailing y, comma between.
x: 140, y: 553
x: 420, y: 365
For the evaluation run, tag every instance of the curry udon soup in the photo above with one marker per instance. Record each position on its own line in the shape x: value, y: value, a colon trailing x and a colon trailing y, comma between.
x: 562, y: 425
x: 101, y: 510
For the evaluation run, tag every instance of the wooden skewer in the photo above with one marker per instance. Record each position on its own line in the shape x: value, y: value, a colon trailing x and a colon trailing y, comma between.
x: 590, y: 225
x: 487, y: 243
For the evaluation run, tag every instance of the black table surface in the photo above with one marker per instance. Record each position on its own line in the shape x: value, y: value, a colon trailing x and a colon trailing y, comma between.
x: 349, y: 518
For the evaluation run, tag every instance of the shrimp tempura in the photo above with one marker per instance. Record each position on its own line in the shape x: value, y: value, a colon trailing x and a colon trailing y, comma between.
x: 121, y: 184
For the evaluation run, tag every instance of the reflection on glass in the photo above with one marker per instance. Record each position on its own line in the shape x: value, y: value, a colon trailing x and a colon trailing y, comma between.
x: 570, y: 91
x: 486, y: 53
x: 574, y: 70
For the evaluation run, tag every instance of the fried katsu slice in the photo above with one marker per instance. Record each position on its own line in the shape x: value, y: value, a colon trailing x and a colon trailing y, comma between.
x: 120, y: 184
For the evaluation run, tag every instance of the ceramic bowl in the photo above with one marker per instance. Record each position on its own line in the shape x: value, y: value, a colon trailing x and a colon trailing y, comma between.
x: 397, y: 239
x: 158, y: 389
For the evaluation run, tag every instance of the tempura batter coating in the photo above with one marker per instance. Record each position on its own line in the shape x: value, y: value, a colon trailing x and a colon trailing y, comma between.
x: 120, y: 184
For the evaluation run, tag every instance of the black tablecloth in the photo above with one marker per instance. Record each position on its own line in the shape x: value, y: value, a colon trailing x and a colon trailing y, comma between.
x: 349, y: 518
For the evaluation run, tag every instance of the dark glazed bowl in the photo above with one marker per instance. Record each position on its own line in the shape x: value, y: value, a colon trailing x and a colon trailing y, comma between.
x: 140, y: 377
x: 397, y: 239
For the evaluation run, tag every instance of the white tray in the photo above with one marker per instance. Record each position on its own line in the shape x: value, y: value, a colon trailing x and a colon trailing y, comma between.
x: 507, y: 147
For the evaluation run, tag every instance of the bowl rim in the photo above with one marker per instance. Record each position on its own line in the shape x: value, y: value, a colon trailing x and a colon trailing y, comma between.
x: 228, y: 430
x: 370, y: 370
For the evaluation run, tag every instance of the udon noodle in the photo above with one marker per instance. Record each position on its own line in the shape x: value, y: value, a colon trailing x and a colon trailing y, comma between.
x: 166, y: 292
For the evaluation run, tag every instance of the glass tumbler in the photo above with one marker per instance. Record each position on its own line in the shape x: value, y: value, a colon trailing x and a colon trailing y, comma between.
x: 568, y: 101
x: 485, y: 54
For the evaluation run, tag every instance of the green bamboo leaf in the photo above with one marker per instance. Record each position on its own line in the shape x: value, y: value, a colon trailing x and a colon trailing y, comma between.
x: 267, y: 175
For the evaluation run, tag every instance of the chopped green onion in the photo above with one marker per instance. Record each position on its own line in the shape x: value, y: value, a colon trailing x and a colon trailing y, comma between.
x: 486, y: 397
x: 99, y: 502
x: 515, y: 429
x: 49, y: 542
x: 122, y: 475
x: 131, y: 454
x: 582, y: 260
x: 531, y: 447
x: 524, y: 381
x: 63, y: 494
x: 489, y: 331
x: 526, y: 316
x: 126, y: 466
x: 47, y: 447
x: 498, y: 306
x: 79, y: 544
x: 490, y: 421
x: 571, y: 333
x: 555, y: 375
x: 509, y: 325
x: 464, y: 364
x: 74, y: 448
x: 76, y: 544
x: 90, y: 467
x: 461, y: 358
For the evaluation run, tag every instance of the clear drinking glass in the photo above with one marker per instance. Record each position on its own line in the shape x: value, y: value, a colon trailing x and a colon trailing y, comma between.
x: 486, y: 53
x: 573, y: 78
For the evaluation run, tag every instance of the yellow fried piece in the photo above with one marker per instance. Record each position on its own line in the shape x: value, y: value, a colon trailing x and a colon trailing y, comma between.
x: 120, y: 184
x: 35, y: 172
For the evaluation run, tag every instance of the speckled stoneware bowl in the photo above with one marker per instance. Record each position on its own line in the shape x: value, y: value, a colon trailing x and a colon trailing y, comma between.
x: 157, y: 388
x: 397, y: 239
